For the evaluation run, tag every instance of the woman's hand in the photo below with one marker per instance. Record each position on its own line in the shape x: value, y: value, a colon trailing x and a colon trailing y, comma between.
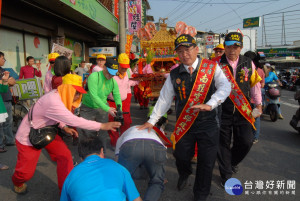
x: 110, y: 126
x: 70, y: 131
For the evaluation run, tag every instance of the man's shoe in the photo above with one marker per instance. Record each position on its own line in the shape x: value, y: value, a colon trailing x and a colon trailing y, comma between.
x: 2, y: 150
x: 182, y: 181
x: 235, y: 169
x: 21, y: 189
x: 280, y: 116
x: 255, y: 141
x: 3, y: 167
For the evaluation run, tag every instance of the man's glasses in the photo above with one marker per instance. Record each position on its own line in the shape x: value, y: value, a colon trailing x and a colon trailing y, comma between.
x: 52, y: 62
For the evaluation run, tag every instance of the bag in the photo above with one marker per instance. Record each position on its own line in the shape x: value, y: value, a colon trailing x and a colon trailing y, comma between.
x: 39, y: 138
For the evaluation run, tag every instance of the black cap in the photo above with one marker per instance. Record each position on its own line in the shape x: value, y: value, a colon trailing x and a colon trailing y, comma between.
x: 234, y: 38
x: 185, y: 40
x: 112, y: 66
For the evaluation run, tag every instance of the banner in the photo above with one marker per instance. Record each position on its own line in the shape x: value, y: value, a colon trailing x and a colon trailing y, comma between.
x: 129, y: 39
x: 134, y: 15
x: 62, y: 51
x: 116, y: 9
x: 27, y: 89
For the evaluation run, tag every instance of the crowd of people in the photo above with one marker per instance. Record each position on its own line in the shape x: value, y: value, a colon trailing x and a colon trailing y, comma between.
x: 214, y: 100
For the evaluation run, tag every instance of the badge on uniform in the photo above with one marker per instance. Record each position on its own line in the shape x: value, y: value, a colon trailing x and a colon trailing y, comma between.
x: 178, y: 80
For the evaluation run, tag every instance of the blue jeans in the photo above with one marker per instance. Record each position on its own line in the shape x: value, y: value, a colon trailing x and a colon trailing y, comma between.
x: 151, y: 155
x: 6, y: 127
x: 94, y: 114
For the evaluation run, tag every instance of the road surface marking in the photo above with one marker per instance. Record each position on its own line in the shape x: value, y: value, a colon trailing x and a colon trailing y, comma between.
x: 289, y: 104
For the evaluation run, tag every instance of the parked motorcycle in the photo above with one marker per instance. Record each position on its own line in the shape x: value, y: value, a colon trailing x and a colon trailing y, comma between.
x: 272, y: 101
x: 283, y: 81
x: 295, y: 122
x: 291, y: 85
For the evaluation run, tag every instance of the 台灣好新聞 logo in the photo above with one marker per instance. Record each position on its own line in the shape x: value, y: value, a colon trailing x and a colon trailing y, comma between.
x: 233, y: 187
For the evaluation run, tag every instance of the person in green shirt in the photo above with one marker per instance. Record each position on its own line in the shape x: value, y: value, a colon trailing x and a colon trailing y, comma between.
x: 3, y: 112
x: 94, y: 103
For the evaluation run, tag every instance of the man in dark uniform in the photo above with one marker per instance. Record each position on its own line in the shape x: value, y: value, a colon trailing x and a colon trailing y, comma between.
x: 199, y: 86
x: 236, y: 111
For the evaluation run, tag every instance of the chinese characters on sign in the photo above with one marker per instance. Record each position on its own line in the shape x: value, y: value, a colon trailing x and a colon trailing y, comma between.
x: 134, y: 15
x: 270, y: 187
x: 27, y: 89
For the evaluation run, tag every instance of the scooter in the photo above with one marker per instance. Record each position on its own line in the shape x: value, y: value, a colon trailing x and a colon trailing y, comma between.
x: 272, y: 101
x: 295, y: 122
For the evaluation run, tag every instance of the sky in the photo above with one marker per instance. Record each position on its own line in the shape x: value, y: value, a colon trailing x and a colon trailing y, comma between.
x: 221, y: 15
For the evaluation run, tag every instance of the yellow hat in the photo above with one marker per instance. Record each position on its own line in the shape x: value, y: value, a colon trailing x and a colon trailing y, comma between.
x: 101, y: 56
x: 124, y: 60
x: 52, y: 56
x: 75, y: 81
x: 220, y: 46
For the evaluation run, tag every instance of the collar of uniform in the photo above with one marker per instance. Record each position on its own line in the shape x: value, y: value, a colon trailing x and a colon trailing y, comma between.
x: 92, y: 158
x: 186, y: 67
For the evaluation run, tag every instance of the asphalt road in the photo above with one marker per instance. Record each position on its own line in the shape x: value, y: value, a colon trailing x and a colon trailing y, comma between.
x: 275, y: 157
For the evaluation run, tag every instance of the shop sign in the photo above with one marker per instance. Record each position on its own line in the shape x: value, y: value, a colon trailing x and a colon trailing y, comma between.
x: 251, y: 22
x: 95, y: 11
x: 107, y: 51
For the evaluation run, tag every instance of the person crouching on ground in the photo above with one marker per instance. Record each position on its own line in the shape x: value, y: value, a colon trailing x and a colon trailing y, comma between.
x: 52, y: 108
x: 98, y: 178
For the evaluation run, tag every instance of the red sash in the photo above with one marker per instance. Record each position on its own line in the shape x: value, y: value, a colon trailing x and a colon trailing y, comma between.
x: 238, y: 98
x: 198, y: 94
x: 160, y: 134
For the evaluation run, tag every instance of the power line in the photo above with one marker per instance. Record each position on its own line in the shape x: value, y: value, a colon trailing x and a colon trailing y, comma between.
x: 185, y: 11
x: 282, y: 9
x: 233, y: 10
x: 197, y: 10
x: 177, y: 8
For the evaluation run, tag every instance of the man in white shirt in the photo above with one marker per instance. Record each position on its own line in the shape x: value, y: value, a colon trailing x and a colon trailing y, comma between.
x: 138, y: 148
x: 199, y: 86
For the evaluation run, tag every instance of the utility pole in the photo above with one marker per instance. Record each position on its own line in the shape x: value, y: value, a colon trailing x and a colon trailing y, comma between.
x: 122, y: 29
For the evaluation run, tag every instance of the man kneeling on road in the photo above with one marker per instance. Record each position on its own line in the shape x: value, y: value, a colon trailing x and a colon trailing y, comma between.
x: 97, y: 178
x: 136, y: 148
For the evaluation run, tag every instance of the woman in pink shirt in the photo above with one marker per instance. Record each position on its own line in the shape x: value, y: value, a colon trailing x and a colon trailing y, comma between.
x: 52, y: 108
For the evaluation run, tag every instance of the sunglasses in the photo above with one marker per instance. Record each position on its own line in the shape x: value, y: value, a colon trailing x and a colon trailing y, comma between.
x: 52, y: 62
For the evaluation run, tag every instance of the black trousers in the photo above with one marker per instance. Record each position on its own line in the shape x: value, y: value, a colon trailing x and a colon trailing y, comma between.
x: 207, y: 139
x: 228, y: 155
